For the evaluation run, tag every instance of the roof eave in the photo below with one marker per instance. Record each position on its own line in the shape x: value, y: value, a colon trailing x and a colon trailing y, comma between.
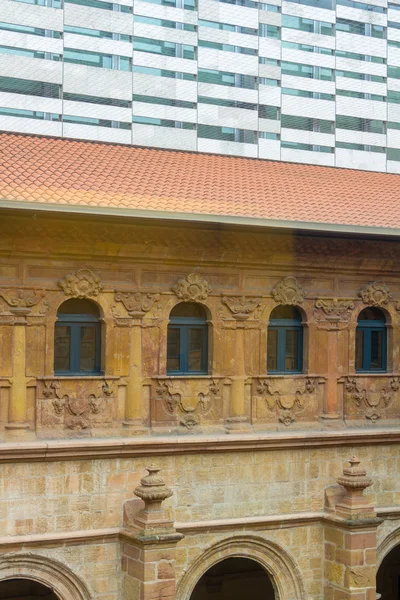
x: 241, y: 221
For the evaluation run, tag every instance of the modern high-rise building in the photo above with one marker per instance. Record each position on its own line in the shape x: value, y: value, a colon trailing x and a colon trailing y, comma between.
x: 305, y: 81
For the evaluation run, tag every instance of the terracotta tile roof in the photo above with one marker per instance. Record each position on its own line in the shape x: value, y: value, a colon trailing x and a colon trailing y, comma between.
x: 68, y: 172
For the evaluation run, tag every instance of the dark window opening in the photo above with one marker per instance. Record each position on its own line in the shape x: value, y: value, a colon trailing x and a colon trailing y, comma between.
x: 285, y: 341
x: 77, y: 339
x: 187, y: 340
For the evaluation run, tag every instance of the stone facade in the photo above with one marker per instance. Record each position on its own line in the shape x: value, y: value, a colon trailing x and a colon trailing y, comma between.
x: 252, y: 460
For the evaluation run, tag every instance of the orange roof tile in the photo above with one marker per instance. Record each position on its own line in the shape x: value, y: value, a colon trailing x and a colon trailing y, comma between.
x: 53, y: 171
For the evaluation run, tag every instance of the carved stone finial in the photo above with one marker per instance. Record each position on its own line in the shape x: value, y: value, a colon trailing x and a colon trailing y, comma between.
x: 289, y: 291
x: 136, y: 303
x: 83, y: 284
x: 375, y: 294
x: 193, y: 288
x: 241, y: 307
x: 354, y: 504
x: 152, y: 490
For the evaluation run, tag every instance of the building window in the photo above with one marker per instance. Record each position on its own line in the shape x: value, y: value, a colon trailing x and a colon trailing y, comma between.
x: 371, y: 340
x: 285, y: 341
x: 77, y: 339
x: 187, y: 340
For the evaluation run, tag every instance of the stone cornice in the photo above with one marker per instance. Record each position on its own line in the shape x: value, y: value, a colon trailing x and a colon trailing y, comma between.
x: 91, y: 449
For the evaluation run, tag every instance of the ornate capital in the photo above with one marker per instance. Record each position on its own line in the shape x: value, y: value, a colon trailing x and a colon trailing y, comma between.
x: 289, y: 291
x: 83, y: 284
x: 194, y: 288
x: 136, y: 303
x: 375, y: 294
x: 333, y: 313
x: 21, y: 301
x: 241, y: 307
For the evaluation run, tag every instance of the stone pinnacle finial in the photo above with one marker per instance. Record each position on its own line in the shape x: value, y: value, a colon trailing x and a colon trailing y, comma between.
x: 354, y: 478
x: 152, y: 489
x: 354, y: 505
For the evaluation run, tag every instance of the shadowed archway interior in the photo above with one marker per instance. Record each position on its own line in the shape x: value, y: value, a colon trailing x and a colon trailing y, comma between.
x: 25, y: 589
x: 234, y: 579
x: 388, y: 576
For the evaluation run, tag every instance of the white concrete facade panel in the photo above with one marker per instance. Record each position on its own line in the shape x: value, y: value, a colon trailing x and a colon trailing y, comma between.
x: 168, y: 88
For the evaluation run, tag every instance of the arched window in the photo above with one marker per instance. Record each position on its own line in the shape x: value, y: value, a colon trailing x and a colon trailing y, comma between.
x: 77, y: 343
x: 371, y: 340
x: 285, y: 341
x: 187, y: 341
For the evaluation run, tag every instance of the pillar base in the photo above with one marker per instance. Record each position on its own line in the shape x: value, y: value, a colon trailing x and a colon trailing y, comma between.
x: 237, y: 425
x: 135, y: 426
x: 15, y: 426
x: 332, y: 420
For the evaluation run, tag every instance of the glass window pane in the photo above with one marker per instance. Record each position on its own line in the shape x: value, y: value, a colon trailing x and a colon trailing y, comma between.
x: 272, y: 350
x: 195, y: 350
x: 62, y: 346
x: 376, y: 350
x: 173, y: 349
x: 88, y: 349
x: 291, y: 351
x: 359, y: 348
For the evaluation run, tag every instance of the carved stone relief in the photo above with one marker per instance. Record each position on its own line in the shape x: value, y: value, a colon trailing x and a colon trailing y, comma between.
x: 286, y: 400
x: 75, y: 404
x: 242, y: 308
x: 370, y: 398
x: 289, y: 291
x: 375, y: 294
x: 333, y: 313
x: 194, y: 288
x: 20, y: 303
x: 137, y: 304
x: 83, y: 284
x: 187, y: 403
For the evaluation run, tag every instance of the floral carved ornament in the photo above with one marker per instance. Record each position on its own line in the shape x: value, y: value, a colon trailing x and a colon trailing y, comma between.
x: 289, y: 291
x: 81, y: 284
x: 375, y: 294
x: 194, y: 288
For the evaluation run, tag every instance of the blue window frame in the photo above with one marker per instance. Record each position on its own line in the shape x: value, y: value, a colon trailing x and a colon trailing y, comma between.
x: 285, y: 341
x: 77, y: 339
x: 187, y: 340
x: 371, y: 341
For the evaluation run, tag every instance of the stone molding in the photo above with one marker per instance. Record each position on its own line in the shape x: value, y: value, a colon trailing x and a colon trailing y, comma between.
x: 51, y: 573
x: 97, y: 449
x: 282, y: 568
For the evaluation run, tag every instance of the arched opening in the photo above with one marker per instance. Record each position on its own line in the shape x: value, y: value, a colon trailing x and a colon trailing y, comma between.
x: 234, y: 579
x: 388, y: 576
x: 187, y: 340
x: 371, y: 341
x: 77, y: 338
x: 285, y: 341
x: 25, y: 589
